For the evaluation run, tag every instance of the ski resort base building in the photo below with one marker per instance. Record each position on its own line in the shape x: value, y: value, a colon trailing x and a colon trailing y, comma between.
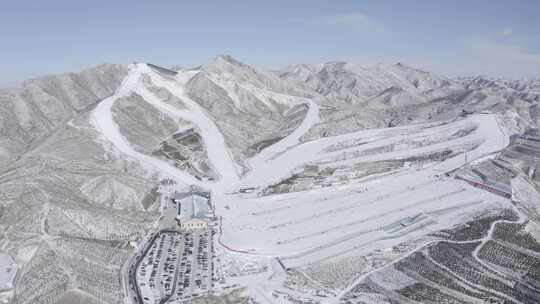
x: 193, y: 224
x: 194, y: 210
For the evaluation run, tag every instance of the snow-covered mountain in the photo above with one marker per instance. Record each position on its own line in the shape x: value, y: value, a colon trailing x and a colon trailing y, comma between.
x: 329, y: 183
x: 354, y: 84
x: 252, y: 107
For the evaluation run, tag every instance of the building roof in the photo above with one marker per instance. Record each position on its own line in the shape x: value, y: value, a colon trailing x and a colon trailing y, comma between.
x: 193, y: 205
x: 181, y: 195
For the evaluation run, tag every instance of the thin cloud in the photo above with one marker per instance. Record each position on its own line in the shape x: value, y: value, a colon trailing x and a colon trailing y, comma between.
x: 357, y: 21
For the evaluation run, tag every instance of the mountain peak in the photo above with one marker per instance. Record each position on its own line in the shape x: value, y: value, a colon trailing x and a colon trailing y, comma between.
x: 335, y: 65
x: 225, y: 58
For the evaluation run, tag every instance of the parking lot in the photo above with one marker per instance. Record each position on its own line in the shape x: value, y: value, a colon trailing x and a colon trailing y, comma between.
x: 196, y: 266
x: 175, y: 266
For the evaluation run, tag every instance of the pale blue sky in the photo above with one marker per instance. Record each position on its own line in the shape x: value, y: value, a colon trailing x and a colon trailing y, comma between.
x: 448, y: 37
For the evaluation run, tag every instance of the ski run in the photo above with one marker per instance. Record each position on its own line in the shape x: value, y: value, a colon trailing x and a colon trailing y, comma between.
x: 304, y: 227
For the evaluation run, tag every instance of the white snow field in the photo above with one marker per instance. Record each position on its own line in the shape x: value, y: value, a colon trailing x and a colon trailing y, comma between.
x: 218, y: 153
x: 324, y: 223
x: 312, y: 117
x: 103, y: 121
x: 320, y: 224
x: 8, y: 270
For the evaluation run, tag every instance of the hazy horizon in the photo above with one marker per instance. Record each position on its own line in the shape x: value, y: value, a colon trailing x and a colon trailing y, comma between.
x: 492, y: 38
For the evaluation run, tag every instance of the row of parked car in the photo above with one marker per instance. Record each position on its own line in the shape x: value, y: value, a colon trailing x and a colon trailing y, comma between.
x: 161, y: 260
x: 195, y: 272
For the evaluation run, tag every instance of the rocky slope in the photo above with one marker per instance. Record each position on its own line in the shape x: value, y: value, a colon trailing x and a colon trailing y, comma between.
x: 41, y: 106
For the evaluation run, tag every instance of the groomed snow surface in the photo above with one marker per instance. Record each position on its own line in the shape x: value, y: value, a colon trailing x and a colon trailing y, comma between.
x: 323, y: 223
x: 331, y: 222
x: 8, y: 270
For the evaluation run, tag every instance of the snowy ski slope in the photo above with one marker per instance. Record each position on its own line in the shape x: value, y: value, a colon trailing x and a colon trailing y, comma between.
x: 335, y: 221
x: 324, y: 223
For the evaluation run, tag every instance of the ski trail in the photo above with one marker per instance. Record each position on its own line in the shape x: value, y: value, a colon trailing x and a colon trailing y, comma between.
x: 103, y: 121
x: 219, y: 155
x: 280, y: 164
x: 311, y: 118
x: 275, y: 169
